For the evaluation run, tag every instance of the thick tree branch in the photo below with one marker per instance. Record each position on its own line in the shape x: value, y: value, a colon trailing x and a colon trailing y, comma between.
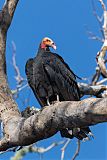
x: 6, y: 16
x: 7, y: 13
x: 8, y: 108
x: 86, y: 89
x: 51, y: 119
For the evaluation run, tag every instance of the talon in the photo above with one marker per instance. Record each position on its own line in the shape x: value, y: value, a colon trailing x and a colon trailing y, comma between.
x: 70, y: 132
x: 86, y: 139
x: 90, y: 134
x: 48, y: 103
x: 57, y: 96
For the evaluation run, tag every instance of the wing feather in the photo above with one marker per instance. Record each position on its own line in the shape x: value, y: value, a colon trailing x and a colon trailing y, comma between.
x: 30, y: 72
x: 65, y: 79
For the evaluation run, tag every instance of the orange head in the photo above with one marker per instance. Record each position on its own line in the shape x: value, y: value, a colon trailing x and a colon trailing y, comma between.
x: 46, y: 43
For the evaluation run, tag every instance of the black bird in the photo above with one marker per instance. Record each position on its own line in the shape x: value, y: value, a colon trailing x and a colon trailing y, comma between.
x: 51, y: 80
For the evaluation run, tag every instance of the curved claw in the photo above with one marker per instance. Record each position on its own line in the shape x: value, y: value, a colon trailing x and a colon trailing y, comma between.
x: 48, y: 103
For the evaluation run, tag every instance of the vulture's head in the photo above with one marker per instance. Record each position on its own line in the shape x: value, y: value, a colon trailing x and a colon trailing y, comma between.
x: 46, y: 43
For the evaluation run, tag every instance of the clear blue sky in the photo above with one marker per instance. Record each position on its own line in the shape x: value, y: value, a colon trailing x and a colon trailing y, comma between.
x: 64, y: 21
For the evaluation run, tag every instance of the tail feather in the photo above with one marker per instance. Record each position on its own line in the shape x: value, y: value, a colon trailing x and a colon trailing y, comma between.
x: 87, y: 131
x: 80, y: 133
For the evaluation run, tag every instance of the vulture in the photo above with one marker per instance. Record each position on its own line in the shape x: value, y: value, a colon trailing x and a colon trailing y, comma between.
x: 51, y: 79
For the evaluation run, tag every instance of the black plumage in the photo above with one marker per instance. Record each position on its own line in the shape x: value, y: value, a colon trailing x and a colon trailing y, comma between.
x: 51, y: 79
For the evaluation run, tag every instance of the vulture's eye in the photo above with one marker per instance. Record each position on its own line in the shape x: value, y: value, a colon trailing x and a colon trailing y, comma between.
x: 47, y: 40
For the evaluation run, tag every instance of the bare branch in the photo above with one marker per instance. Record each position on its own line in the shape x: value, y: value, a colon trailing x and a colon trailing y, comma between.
x: 103, y: 5
x: 6, y: 99
x: 17, y: 90
x: 6, y: 16
x: 86, y: 89
x: 102, y: 81
x: 77, y: 150
x: 105, y: 19
x: 7, y: 13
x: 99, y: 20
x: 64, y: 148
x: 50, y: 120
x: 96, y: 76
x: 18, y: 77
x: 100, y: 58
x: 34, y: 149
x: 94, y: 37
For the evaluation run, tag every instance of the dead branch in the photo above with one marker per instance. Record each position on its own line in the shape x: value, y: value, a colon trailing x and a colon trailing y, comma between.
x: 94, y: 37
x: 77, y: 150
x: 29, y: 149
x: 101, y: 69
x: 100, y: 60
x: 64, y: 148
x: 6, y: 100
x: 20, y: 85
x: 102, y: 81
x: 48, y: 121
x: 86, y: 89
x: 96, y: 76
x: 101, y: 54
x: 18, y: 77
x: 7, y: 13
x: 99, y: 22
x: 103, y: 5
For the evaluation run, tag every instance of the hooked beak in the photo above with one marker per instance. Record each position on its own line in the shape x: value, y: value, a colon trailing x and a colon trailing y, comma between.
x: 53, y: 46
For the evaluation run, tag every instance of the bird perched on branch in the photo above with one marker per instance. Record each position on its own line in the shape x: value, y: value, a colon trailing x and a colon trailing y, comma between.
x: 51, y: 80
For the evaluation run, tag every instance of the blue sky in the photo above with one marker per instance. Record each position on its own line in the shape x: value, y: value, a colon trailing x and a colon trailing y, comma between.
x: 64, y: 21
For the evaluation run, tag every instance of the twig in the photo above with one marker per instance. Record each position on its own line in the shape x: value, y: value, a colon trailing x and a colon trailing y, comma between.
x: 100, y: 58
x: 86, y: 89
x: 96, y: 76
x: 94, y: 37
x: 102, y: 81
x: 17, y: 90
x: 9, y: 150
x: 64, y: 147
x: 21, y: 153
x: 77, y: 150
x: 18, y: 76
x: 103, y: 5
x: 43, y: 150
x: 98, y: 19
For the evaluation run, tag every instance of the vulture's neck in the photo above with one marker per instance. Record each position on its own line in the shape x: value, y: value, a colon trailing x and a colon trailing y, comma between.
x: 41, y: 50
